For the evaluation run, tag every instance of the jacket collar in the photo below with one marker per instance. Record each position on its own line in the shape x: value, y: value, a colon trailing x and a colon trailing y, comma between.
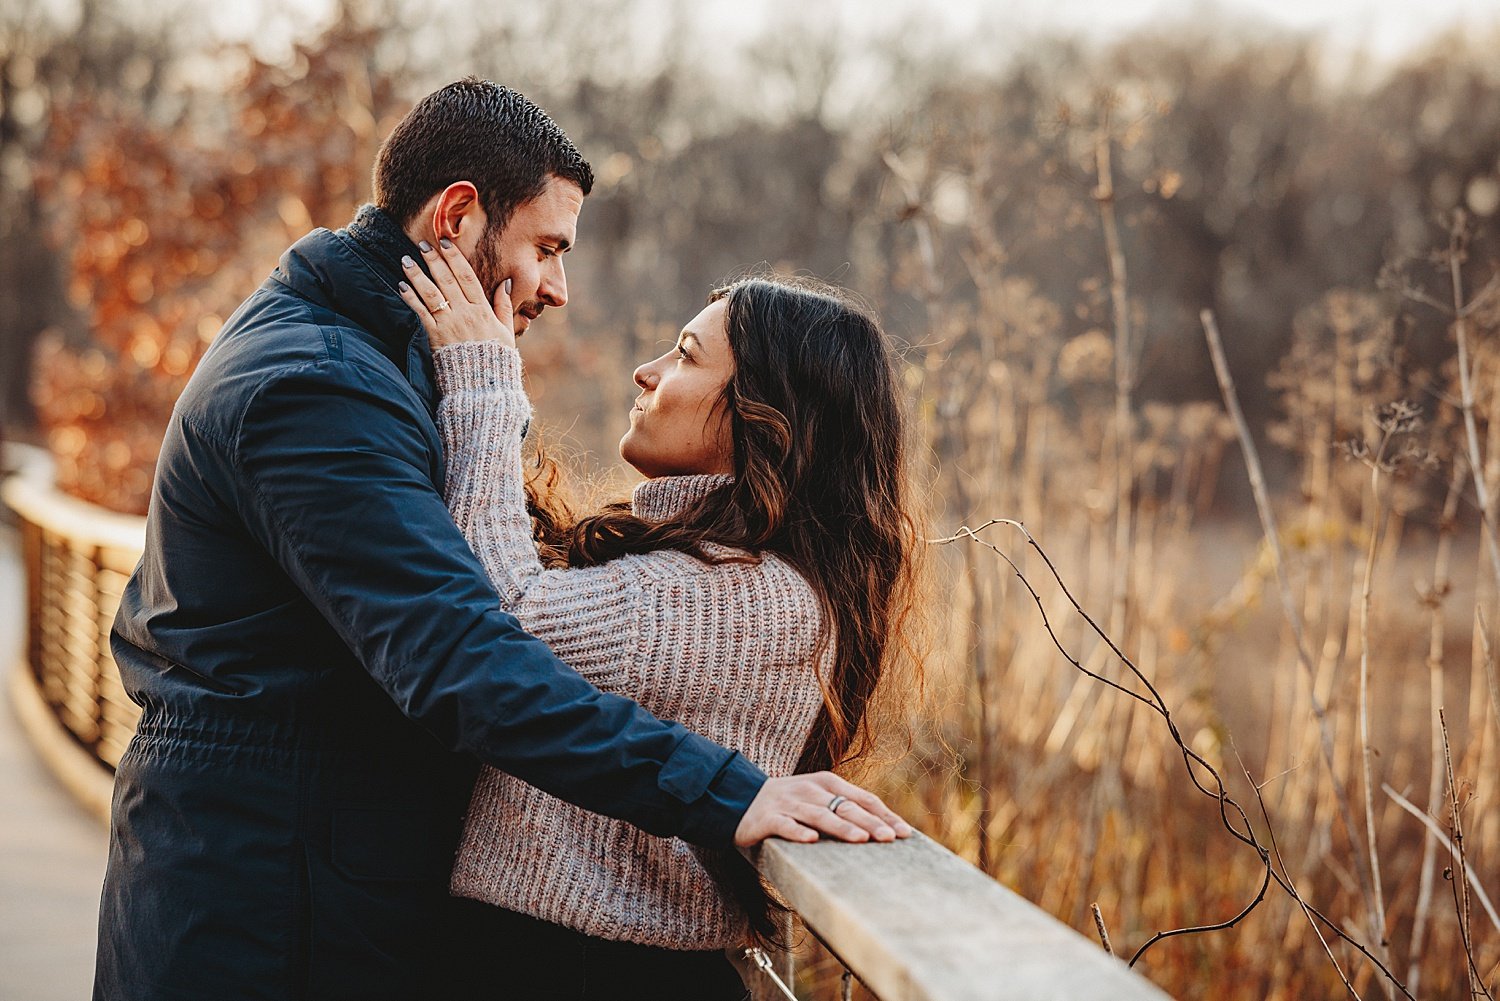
x: 354, y: 272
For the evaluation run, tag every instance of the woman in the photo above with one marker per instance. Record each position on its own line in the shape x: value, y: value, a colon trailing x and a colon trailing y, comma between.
x: 750, y: 590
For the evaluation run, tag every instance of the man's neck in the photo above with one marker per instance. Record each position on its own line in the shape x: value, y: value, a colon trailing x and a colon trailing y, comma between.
x: 416, y: 232
x: 383, y: 240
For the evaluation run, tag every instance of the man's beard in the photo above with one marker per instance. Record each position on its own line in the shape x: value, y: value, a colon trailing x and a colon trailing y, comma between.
x: 488, y: 268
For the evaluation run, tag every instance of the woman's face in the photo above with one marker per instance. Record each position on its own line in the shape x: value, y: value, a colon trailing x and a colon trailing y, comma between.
x: 677, y: 426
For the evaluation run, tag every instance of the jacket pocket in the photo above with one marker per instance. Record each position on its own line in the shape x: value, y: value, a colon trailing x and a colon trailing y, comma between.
x: 378, y: 844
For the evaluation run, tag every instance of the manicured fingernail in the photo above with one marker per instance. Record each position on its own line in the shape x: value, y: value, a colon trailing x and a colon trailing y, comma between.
x: 407, y: 262
x: 885, y: 834
x: 425, y: 247
x: 447, y: 244
x: 405, y: 287
x: 508, y: 282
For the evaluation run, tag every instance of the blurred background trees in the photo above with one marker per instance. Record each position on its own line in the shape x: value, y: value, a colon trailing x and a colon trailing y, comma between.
x: 151, y: 173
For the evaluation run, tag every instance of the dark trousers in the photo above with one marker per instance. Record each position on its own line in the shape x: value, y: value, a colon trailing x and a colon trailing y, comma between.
x: 500, y: 955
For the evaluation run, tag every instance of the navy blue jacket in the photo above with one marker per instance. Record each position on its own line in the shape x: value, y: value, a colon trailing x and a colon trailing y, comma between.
x: 321, y: 663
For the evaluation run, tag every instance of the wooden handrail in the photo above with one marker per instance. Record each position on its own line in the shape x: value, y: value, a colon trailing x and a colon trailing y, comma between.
x: 76, y: 557
x: 39, y: 502
x: 914, y: 922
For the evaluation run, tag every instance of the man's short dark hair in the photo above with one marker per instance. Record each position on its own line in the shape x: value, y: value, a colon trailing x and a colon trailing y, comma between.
x: 474, y: 130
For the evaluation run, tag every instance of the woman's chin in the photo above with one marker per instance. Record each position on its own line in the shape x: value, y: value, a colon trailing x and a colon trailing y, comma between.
x: 631, y: 455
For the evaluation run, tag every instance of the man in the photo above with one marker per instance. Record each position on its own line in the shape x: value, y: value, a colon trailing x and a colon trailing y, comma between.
x: 318, y: 654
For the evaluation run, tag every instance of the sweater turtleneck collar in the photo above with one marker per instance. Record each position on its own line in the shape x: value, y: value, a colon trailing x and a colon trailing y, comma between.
x: 668, y: 496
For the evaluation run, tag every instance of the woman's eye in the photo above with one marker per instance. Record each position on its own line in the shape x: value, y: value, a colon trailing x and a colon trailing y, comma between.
x: 682, y: 352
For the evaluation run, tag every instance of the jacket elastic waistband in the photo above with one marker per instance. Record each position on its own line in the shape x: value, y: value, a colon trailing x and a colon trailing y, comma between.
x: 247, y: 731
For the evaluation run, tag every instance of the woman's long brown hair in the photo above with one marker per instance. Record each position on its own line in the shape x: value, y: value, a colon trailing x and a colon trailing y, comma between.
x: 820, y: 479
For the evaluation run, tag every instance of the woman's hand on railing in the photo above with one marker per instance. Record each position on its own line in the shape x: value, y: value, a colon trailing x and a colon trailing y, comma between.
x: 802, y: 807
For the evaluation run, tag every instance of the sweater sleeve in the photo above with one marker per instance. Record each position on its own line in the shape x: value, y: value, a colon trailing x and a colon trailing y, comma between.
x: 627, y: 624
x: 591, y: 617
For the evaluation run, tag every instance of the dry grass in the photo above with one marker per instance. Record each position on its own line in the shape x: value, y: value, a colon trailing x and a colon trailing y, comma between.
x: 1073, y: 794
x: 1376, y: 572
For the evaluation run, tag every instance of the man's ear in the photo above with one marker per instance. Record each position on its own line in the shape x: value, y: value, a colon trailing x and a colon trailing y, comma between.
x: 457, y: 209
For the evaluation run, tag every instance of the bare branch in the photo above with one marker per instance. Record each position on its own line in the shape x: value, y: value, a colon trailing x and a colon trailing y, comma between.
x: 1439, y: 837
x: 1376, y: 913
x: 1229, y: 809
x: 1284, y: 588
x: 1456, y: 240
x: 1461, y: 884
x: 1433, y: 598
x: 1288, y: 883
x: 1103, y: 932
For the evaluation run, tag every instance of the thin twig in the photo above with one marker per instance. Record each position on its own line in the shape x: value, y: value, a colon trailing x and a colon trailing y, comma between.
x: 1460, y: 883
x: 1441, y: 838
x: 762, y: 962
x: 1229, y: 808
x: 1104, y: 195
x: 1433, y: 598
x: 1296, y: 895
x: 1490, y: 288
x: 1288, y: 606
x: 1417, y: 295
x: 1457, y: 241
x: 1103, y: 932
x: 1367, y: 750
x: 1487, y: 661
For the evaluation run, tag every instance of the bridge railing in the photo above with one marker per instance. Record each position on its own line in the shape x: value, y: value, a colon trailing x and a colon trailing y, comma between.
x: 914, y: 922
x: 77, y: 558
x: 910, y: 920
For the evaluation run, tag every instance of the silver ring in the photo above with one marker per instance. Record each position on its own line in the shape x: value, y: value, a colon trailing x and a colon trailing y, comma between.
x: 836, y: 802
x: 441, y: 306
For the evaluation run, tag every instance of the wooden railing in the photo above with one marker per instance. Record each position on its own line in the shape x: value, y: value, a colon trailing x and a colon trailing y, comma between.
x: 914, y: 922
x: 77, y: 558
x: 911, y: 920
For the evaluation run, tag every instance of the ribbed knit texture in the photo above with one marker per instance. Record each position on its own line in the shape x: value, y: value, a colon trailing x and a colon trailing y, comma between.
x: 727, y: 650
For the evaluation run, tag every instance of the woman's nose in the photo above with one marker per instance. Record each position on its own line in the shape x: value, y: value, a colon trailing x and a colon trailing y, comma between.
x: 645, y: 377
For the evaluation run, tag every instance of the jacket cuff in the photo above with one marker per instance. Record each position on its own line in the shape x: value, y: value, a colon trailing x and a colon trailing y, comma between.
x: 710, y: 820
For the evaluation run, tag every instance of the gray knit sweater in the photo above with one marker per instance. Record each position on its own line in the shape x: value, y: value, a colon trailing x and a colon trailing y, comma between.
x: 727, y: 650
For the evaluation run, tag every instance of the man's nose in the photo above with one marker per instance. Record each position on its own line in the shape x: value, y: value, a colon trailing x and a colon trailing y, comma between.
x: 554, y: 288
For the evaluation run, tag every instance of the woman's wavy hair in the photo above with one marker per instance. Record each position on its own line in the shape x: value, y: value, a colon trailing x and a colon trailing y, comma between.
x: 820, y: 479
